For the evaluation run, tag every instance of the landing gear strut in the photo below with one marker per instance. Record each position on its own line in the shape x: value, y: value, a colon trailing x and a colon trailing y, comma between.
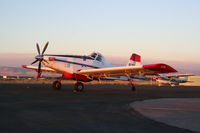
x: 132, y: 85
x: 78, y: 87
x: 57, y: 85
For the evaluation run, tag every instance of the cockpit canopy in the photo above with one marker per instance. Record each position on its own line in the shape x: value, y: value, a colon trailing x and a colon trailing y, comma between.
x: 97, y: 56
x: 93, y: 55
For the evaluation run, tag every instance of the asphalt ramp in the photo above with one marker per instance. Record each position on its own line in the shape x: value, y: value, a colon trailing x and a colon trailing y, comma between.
x: 179, y: 112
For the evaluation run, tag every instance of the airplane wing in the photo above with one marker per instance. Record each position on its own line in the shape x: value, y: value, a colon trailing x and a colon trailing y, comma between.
x: 127, y: 70
x: 46, y: 69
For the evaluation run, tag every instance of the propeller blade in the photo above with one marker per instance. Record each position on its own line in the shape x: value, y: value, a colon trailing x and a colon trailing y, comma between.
x: 38, y: 48
x: 39, y: 70
x: 39, y: 67
x: 34, y: 62
x: 45, y: 47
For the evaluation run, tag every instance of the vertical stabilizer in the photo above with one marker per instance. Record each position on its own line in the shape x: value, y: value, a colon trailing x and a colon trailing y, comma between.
x: 135, y: 60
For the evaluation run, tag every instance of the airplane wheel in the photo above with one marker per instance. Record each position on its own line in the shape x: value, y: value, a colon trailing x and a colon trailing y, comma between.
x: 57, y: 85
x: 78, y: 87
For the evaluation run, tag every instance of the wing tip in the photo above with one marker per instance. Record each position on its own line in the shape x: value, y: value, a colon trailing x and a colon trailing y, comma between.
x: 163, y: 68
x: 24, y: 66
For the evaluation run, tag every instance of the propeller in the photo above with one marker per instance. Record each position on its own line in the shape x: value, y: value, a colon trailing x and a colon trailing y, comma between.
x: 40, y: 58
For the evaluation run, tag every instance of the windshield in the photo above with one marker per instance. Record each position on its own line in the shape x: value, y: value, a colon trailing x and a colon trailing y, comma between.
x: 99, y: 58
x: 93, y: 55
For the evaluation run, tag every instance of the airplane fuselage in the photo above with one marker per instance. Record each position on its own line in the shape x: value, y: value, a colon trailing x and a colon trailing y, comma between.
x: 70, y: 66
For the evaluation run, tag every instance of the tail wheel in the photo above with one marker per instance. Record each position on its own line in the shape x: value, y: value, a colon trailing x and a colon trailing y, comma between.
x: 133, y: 88
x: 132, y: 84
x: 78, y: 87
x: 57, y: 85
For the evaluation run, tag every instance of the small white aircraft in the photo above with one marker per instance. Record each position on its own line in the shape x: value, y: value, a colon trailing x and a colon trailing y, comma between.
x: 172, y: 80
x: 91, y: 67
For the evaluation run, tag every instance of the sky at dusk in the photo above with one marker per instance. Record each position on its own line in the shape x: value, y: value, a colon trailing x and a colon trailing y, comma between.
x: 159, y: 30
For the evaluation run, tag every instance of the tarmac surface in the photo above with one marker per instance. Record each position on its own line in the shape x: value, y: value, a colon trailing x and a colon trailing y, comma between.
x: 37, y: 108
x: 179, y: 112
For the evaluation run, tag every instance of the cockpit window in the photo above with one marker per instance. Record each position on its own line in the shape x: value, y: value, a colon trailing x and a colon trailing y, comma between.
x: 93, y: 55
x: 99, y: 58
x: 96, y: 56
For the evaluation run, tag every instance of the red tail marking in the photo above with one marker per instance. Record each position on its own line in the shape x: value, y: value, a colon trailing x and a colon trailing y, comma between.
x: 135, y: 57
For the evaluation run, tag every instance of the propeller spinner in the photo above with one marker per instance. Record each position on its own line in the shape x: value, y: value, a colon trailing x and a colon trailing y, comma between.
x: 40, y: 58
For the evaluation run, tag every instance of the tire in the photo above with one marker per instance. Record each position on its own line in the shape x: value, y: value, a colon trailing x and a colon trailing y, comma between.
x: 78, y: 87
x: 57, y: 85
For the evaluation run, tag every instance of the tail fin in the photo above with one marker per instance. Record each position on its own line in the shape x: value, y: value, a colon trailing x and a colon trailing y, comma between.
x: 135, y: 60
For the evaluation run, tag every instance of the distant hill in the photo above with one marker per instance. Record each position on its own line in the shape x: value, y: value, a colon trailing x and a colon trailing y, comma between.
x: 16, y: 71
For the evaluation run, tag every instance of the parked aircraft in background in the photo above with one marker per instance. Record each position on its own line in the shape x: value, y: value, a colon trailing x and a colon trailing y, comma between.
x: 172, y: 80
x: 161, y: 79
x: 91, y: 67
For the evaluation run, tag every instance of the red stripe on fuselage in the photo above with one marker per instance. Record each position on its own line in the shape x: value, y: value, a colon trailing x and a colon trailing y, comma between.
x: 52, y: 58
x: 77, y: 77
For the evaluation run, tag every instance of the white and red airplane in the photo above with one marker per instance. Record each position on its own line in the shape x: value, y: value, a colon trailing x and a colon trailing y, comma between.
x: 91, y: 67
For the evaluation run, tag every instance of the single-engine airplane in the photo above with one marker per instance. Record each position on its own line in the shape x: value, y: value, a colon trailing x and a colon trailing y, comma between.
x: 91, y: 67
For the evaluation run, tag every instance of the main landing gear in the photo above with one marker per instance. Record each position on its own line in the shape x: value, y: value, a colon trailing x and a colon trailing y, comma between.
x: 57, y: 85
x: 78, y: 86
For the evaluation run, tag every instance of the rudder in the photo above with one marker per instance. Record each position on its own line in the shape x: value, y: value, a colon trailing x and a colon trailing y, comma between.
x: 135, y: 60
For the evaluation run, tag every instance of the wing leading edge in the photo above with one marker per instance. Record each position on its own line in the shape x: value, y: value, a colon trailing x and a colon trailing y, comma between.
x: 46, y: 69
